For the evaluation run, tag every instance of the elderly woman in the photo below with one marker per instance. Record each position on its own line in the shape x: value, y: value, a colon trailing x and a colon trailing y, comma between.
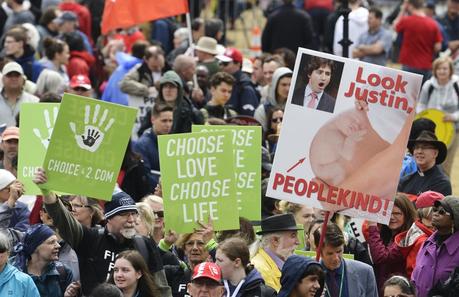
x: 440, y: 252
x: 442, y: 92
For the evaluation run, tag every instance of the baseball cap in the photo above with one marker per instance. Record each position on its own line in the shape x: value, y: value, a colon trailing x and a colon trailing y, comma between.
x: 12, y: 67
x: 207, y: 270
x: 428, y: 198
x: 121, y: 202
x: 231, y: 54
x: 6, y: 178
x: 67, y: 16
x: 80, y: 81
x: 10, y: 133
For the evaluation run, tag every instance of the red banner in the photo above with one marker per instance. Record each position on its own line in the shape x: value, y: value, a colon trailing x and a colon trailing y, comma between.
x: 126, y: 13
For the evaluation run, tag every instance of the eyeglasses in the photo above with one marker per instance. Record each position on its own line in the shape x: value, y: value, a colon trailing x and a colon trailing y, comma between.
x: 76, y: 205
x: 277, y: 120
x: 159, y: 214
x: 80, y: 89
x: 441, y: 211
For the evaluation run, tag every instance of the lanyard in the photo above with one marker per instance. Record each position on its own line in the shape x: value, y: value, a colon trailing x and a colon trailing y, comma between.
x: 235, y: 290
x: 340, y: 286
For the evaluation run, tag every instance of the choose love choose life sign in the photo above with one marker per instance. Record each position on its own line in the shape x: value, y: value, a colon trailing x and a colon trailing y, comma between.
x: 87, y: 146
x: 344, y: 135
x: 246, y: 141
x: 198, y: 181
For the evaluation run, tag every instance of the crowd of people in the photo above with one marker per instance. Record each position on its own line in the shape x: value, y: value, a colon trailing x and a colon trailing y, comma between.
x: 176, y: 76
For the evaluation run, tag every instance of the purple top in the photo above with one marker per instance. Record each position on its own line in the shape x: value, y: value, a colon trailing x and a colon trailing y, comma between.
x: 434, y: 264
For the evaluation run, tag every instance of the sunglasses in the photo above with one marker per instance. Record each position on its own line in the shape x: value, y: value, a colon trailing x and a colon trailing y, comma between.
x: 159, y: 214
x: 223, y: 64
x: 3, y: 249
x: 277, y: 120
x: 80, y: 89
x: 441, y: 211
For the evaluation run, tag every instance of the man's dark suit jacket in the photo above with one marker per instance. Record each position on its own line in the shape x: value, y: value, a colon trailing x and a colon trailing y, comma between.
x: 326, y: 102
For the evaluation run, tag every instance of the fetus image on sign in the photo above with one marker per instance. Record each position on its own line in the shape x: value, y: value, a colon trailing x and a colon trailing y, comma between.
x: 94, y: 129
x: 45, y: 135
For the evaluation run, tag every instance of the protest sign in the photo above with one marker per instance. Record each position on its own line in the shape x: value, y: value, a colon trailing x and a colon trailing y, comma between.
x: 246, y: 141
x: 142, y: 105
x: 87, y: 146
x: 37, y: 123
x: 199, y: 183
x: 344, y: 135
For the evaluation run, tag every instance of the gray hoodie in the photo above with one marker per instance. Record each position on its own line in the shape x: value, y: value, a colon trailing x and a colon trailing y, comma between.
x: 271, y: 100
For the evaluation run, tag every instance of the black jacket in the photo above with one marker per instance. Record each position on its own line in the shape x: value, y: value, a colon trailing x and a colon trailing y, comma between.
x: 288, y: 27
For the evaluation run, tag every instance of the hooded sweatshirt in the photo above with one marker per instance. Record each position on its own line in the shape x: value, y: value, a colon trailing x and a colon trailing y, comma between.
x: 409, y: 242
x: 31, y: 67
x: 358, y: 24
x: 292, y: 271
x: 185, y: 114
x: 13, y: 280
x: 80, y: 62
x: 271, y: 100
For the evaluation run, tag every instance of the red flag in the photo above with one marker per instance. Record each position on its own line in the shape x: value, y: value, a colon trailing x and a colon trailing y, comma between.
x: 126, y: 13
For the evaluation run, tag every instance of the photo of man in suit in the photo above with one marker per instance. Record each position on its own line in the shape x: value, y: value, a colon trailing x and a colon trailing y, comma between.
x: 319, y: 73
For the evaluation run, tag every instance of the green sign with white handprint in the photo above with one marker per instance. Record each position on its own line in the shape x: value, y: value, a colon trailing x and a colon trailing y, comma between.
x: 37, y: 123
x: 87, y: 146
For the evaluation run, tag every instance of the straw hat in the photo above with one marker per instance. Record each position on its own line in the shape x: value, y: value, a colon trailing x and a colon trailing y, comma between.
x: 207, y: 45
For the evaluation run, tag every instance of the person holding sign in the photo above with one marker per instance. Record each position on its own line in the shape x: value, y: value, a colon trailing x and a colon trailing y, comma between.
x: 279, y: 239
x: 96, y: 248
x: 314, y: 96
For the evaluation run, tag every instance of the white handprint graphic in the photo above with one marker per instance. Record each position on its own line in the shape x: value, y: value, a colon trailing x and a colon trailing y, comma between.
x: 93, y: 132
x: 49, y: 126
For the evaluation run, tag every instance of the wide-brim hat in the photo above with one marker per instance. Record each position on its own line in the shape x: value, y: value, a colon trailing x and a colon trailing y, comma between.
x: 431, y: 138
x: 277, y: 223
x: 207, y: 45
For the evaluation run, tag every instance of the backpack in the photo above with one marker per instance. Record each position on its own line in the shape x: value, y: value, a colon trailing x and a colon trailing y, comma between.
x: 431, y: 88
x: 63, y: 275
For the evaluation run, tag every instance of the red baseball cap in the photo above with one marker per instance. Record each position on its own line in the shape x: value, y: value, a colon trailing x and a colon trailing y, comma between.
x: 231, y: 54
x: 428, y: 198
x: 208, y: 270
x: 80, y: 81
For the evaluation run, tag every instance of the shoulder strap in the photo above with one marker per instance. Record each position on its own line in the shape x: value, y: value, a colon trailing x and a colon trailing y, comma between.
x: 141, y: 247
x: 429, y: 92
x: 62, y: 276
x: 456, y: 88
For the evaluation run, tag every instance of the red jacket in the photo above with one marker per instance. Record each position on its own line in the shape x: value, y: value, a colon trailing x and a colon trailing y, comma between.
x: 80, y: 63
x: 84, y: 17
x: 410, y: 242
